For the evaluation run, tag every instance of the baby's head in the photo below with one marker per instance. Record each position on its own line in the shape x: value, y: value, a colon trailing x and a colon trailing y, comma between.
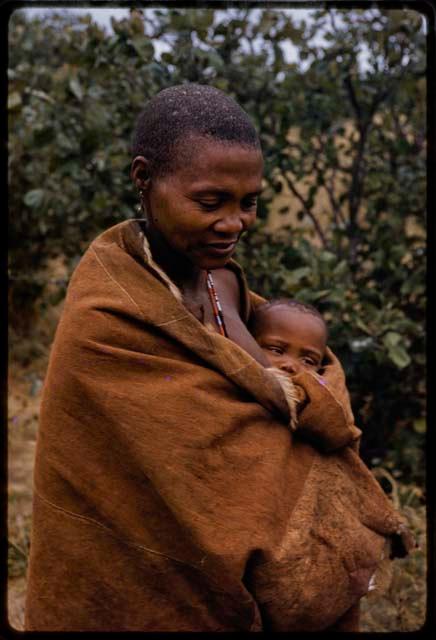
x: 292, y: 334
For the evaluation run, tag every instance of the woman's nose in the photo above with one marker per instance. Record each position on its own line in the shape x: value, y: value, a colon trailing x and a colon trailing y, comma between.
x: 231, y: 224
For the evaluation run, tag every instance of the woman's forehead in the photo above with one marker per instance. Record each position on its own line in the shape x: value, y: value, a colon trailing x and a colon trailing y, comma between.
x: 204, y: 152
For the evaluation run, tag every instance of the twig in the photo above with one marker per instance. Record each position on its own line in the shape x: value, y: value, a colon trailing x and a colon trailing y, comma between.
x: 307, y: 210
x: 380, y: 471
x: 18, y: 549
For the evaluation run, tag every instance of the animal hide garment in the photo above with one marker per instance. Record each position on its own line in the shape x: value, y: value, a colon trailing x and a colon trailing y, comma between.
x: 181, y: 486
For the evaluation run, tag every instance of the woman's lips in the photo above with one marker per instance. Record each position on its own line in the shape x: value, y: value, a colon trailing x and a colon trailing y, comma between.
x: 220, y: 248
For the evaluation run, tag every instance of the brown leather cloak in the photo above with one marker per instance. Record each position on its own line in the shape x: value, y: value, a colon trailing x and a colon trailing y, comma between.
x: 170, y: 491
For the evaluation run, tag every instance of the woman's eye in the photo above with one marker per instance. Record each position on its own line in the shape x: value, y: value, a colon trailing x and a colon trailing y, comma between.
x: 209, y: 206
x: 249, y: 204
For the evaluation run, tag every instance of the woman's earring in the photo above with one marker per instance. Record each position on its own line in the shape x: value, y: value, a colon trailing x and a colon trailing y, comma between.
x: 139, y: 207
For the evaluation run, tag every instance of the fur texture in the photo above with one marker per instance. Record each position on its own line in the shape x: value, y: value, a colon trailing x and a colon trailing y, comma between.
x: 291, y: 394
x: 149, y: 259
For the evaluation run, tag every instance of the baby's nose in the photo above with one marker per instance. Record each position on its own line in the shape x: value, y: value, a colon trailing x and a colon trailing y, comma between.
x: 290, y: 366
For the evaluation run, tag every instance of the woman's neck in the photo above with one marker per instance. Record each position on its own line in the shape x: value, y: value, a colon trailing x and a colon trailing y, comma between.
x: 179, y: 269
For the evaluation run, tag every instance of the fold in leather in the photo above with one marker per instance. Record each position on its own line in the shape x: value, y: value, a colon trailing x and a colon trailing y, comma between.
x: 307, y: 393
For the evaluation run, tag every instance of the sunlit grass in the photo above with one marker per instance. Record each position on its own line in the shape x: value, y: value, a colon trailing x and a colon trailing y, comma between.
x: 403, y: 606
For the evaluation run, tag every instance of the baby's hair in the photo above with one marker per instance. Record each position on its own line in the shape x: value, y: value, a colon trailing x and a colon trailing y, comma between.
x: 298, y: 305
x: 178, y: 113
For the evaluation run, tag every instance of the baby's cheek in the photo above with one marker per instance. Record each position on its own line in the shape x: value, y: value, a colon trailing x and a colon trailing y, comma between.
x: 271, y: 361
x: 273, y: 358
x: 310, y: 367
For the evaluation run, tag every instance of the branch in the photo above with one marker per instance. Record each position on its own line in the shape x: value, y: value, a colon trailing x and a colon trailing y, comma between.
x: 332, y: 21
x: 329, y: 187
x: 357, y: 174
x: 353, y: 99
x: 356, y: 178
x: 18, y: 549
x: 306, y: 210
x: 378, y: 99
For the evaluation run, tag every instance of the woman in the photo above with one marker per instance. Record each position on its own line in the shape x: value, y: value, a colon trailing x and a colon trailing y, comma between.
x: 170, y: 491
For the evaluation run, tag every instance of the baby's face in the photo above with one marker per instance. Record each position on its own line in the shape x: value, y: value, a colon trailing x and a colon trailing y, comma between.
x: 292, y: 340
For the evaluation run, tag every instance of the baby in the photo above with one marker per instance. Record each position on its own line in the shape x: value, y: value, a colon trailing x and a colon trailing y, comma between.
x: 293, y: 335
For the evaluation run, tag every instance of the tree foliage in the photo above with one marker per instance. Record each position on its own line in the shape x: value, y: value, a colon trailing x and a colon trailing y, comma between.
x: 358, y: 105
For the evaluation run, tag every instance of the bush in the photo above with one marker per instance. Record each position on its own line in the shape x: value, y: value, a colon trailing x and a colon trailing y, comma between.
x: 360, y: 151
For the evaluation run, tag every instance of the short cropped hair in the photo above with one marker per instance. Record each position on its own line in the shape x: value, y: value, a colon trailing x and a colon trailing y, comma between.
x: 182, y: 111
x: 298, y: 305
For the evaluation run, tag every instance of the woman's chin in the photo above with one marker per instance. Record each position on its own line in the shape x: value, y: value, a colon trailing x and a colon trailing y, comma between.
x: 215, y: 263
x: 212, y: 259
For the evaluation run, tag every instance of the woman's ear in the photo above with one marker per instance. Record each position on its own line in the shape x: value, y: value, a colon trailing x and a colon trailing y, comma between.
x: 140, y: 173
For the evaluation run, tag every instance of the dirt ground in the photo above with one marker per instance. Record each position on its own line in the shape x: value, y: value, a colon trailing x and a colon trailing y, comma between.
x: 23, y: 408
x: 28, y: 359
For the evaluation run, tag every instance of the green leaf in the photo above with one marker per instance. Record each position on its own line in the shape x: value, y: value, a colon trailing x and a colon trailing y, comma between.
x: 399, y: 356
x: 362, y: 325
x: 311, y: 196
x: 391, y: 339
x: 203, y: 19
x: 327, y: 256
x: 420, y: 425
x: 142, y: 46
x: 76, y: 88
x: 341, y: 269
x: 167, y: 57
x: 320, y: 294
x: 34, y: 198
x: 297, y: 275
x: 14, y: 100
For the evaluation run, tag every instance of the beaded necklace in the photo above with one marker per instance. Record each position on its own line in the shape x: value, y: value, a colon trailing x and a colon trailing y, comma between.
x: 216, y: 306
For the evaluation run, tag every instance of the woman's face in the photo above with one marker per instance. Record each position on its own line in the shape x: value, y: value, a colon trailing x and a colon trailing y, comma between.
x: 202, y: 208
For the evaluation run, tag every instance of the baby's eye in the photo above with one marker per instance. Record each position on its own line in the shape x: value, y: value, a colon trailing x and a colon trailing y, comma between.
x: 275, y: 349
x: 310, y: 361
